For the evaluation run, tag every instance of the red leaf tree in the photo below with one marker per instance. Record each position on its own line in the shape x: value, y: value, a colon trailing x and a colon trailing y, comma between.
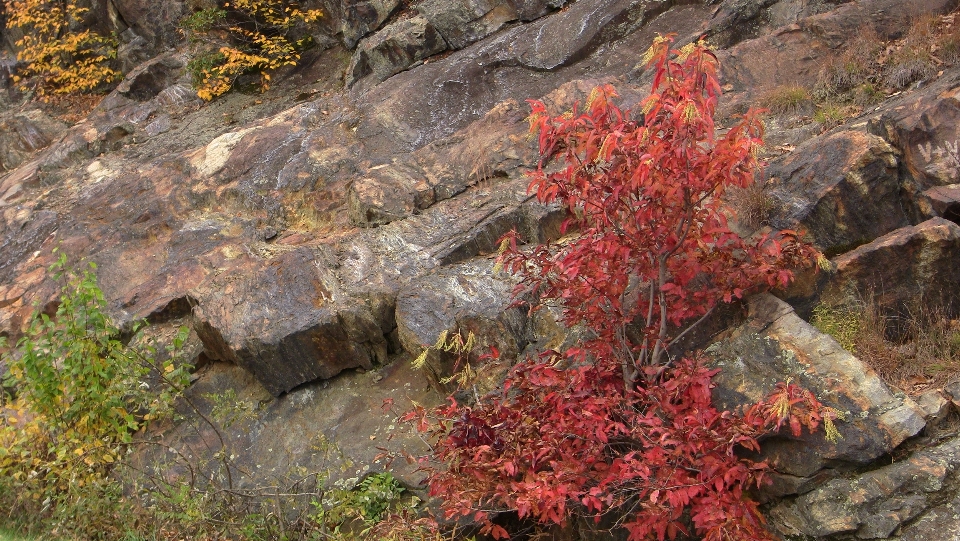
x: 615, y: 425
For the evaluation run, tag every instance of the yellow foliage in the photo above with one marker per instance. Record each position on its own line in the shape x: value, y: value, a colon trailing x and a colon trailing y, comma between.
x: 59, y: 60
x: 260, y: 42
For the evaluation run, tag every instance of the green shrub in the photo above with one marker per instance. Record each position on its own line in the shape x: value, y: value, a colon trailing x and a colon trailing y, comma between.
x: 57, y: 59
x: 80, y: 395
x: 244, y: 37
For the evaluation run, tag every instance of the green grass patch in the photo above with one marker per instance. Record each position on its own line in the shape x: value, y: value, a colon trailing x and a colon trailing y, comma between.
x: 6, y: 534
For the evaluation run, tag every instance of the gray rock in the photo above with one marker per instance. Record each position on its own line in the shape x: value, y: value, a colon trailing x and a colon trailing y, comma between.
x: 953, y: 393
x: 287, y: 330
x: 935, y: 407
x: 773, y: 345
x: 513, y: 65
x: 151, y: 78
x: 177, y: 96
x: 529, y: 10
x: 158, y: 126
x: 464, y: 298
x: 915, y: 262
x: 944, y: 201
x: 462, y: 22
x: 927, y: 129
x: 843, y: 189
x: 484, y: 153
x: 395, y: 48
x: 389, y: 193
x: 876, y: 503
x: 361, y: 17
x: 337, y: 430
x: 133, y: 51
x: 157, y: 22
x: 941, y: 522
x: 23, y: 134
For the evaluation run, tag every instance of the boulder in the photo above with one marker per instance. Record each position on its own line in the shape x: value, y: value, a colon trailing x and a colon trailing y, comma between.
x: 151, y: 78
x: 462, y: 299
x: 361, y: 17
x: 388, y: 193
x: 157, y: 22
x: 287, y: 328
x: 842, y: 189
x: 774, y: 345
x: 935, y: 406
x: 875, y: 504
x: 927, y: 129
x: 919, y: 263
x: 943, y: 201
x: 395, y: 48
x: 462, y: 22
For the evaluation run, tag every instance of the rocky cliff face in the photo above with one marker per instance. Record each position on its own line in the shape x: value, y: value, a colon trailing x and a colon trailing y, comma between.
x: 319, y: 235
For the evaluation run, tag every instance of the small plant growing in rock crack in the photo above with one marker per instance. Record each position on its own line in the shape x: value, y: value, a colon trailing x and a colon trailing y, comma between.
x: 57, y: 58
x: 245, y: 37
x: 617, y: 425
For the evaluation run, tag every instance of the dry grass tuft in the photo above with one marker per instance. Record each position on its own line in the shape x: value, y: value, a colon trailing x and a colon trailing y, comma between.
x: 912, y: 60
x: 854, y: 67
x: 787, y: 100
x: 752, y: 205
x: 916, y: 350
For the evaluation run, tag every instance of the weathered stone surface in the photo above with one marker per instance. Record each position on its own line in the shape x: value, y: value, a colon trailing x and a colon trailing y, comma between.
x: 902, y: 267
x: 529, y: 10
x: 786, y: 42
x: 927, y: 130
x: 336, y: 429
x: 843, y: 189
x: 488, y: 150
x: 133, y: 51
x: 515, y: 64
x: 157, y: 22
x: 775, y: 344
x: 361, y: 17
x: 836, y: 21
x: 239, y: 209
x: 935, y: 407
x: 288, y: 329
x: 395, y: 48
x: 23, y: 134
x: 464, y: 298
x: 462, y: 22
x: 152, y: 77
x: 875, y: 504
x: 944, y: 201
x: 941, y: 522
x: 390, y: 193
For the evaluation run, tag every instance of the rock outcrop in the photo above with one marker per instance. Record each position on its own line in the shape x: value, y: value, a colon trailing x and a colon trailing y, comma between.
x: 914, y: 264
x: 843, y: 189
x: 320, y: 235
x: 774, y: 344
